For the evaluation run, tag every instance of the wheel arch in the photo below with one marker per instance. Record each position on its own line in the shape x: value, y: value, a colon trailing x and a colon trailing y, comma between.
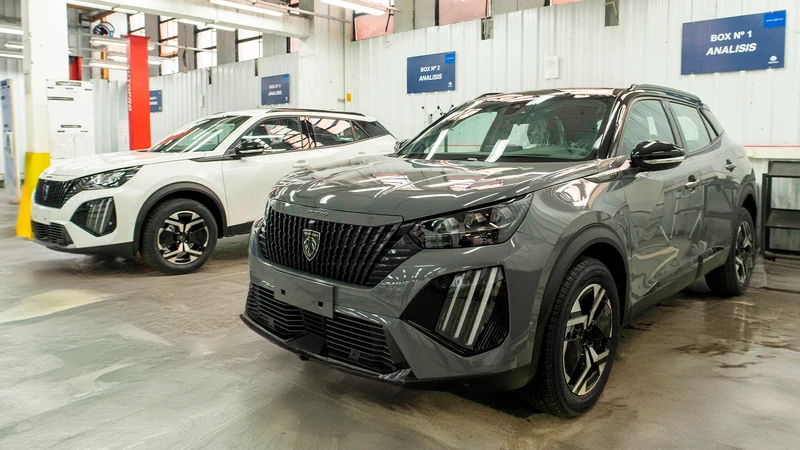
x: 192, y: 191
x: 597, y: 241
x: 747, y: 200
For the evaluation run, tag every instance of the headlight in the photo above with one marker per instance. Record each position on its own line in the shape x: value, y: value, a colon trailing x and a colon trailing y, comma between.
x: 105, y: 180
x: 485, y: 226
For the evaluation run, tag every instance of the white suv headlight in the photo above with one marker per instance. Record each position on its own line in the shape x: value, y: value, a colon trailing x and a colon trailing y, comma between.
x: 106, y: 180
x: 489, y: 225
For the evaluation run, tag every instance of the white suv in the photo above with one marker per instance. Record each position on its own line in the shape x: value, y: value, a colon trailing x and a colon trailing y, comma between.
x: 208, y: 180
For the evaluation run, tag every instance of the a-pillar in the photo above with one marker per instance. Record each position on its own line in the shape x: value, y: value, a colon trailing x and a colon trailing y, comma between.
x: 45, y: 57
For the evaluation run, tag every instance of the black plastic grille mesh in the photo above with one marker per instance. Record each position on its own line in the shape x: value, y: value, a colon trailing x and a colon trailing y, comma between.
x: 54, y: 193
x: 355, y: 341
x: 54, y: 233
x: 348, y: 253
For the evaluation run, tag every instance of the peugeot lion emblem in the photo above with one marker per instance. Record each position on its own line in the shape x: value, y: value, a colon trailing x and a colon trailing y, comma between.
x: 46, y: 192
x: 310, y: 243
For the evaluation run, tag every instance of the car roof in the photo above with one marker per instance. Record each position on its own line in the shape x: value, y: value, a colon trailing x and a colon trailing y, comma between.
x: 651, y: 89
x: 298, y: 111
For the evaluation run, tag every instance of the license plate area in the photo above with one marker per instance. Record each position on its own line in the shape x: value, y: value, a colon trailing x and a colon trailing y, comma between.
x: 305, y: 294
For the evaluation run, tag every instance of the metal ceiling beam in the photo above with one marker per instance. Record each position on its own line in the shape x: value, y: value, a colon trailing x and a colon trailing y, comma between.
x: 203, y: 11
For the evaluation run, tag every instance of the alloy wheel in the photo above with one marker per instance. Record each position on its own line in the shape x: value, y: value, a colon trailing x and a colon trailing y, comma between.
x: 743, y: 256
x: 587, y: 340
x: 183, y: 237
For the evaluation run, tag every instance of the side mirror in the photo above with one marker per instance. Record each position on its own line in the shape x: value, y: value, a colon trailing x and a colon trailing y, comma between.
x: 249, y: 148
x: 400, y: 144
x: 657, y: 155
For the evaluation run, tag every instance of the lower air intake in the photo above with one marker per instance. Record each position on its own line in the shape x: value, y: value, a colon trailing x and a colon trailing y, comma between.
x: 354, y: 341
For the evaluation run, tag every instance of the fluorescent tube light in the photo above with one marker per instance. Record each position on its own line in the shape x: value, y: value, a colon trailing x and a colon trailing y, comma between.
x: 220, y: 27
x: 10, y: 29
x: 107, y: 64
x: 357, y: 7
x: 14, y: 45
x: 11, y: 55
x: 250, y: 8
x: 102, y: 40
x: 87, y: 4
x: 196, y: 23
x: 125, y: 10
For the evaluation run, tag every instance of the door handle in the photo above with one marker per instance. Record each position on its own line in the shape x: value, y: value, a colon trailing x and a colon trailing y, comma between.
x: 692, y: 184
x: 730, y: 166
x: 301, y: 164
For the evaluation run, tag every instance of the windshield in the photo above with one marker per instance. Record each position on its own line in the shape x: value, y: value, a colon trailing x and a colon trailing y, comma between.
x: 555, y: 127
x: 202, y: 136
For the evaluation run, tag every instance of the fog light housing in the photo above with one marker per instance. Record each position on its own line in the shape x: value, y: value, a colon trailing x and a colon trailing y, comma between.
x: 465, y: 311
x: 98, y: 217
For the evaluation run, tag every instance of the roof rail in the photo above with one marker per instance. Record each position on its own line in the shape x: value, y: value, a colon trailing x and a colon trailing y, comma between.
x: 300, y: 110
x: 666, y: 90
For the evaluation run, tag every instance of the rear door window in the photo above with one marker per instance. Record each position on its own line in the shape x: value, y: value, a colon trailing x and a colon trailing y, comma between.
x: 330, y: 131
x: 693, y: 129
x: 373, y: 129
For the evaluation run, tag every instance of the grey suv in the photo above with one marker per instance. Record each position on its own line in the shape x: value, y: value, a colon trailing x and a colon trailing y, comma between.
x: 504, y: 246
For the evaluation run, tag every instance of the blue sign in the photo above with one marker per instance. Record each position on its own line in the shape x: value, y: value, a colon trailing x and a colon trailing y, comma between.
x: 753, y: 42
x: 275, y: 89
x: 155, y: 101
x: 431, y: 73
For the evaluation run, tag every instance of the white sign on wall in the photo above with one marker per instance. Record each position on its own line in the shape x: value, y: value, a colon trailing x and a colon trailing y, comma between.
x: 9, y: 143
x: 70, y: 106
x: 550, y: 67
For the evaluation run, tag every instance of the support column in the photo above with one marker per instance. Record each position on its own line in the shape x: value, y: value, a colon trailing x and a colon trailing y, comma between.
x: 138, y: 93
x: 45, y: 57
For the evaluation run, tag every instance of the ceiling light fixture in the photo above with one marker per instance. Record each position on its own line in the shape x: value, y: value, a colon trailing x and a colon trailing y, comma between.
x: 250, y: 8
x: 87, y: 4
x: 10, y: 29
x: 108, y: 64
x: 220, y: 27
x: 125, y: 10
x: 357, y: 7
x: 11, y: 55
x: 14, y: 45
x: 196, y: 23
x: 103, y: 40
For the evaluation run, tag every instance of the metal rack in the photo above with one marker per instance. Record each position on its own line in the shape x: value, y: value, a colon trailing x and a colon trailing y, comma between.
x: 778, y: 218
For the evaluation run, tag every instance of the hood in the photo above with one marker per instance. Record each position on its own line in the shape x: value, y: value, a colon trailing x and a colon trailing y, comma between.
x: 418, y: 188
x: 89, y: 165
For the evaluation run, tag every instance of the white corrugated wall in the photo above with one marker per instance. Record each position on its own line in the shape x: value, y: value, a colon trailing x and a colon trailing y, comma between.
x: 191, y: 95
x: 757, y: 107
x: 110, y: 115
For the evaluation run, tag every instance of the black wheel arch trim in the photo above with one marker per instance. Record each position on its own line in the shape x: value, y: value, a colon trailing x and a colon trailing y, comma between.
x: 577, y: 244
x: 164, y: 192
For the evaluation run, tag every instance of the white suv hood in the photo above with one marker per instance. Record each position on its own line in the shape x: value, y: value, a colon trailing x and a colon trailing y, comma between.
x: 88, y: 165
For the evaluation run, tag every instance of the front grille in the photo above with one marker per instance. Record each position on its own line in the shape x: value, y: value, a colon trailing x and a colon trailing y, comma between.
x: 354, y: 341
x: 348, y: 253
x: 54, y: 233
x: 54, y: 193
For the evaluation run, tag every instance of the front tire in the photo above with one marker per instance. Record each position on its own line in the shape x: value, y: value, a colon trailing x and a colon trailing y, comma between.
x: 732, y: 278
x: 579, y: 344
x: 179, y: 236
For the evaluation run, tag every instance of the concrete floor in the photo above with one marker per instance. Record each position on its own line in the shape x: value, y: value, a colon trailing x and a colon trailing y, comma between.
x: 99, y: 353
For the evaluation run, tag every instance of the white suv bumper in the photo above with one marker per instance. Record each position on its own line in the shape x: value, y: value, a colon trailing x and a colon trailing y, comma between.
x: 95, y: 221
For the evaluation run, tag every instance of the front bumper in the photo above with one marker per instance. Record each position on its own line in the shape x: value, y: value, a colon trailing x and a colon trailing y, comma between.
x: 77, y: 239
x: 417, y: 358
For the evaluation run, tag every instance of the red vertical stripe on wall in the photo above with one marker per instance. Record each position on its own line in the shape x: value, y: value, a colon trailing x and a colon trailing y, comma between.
x: 138, y: 93
x: 76, y: 68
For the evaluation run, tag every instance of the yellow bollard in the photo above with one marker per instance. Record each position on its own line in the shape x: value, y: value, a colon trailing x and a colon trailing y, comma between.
x: 35, y: 163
